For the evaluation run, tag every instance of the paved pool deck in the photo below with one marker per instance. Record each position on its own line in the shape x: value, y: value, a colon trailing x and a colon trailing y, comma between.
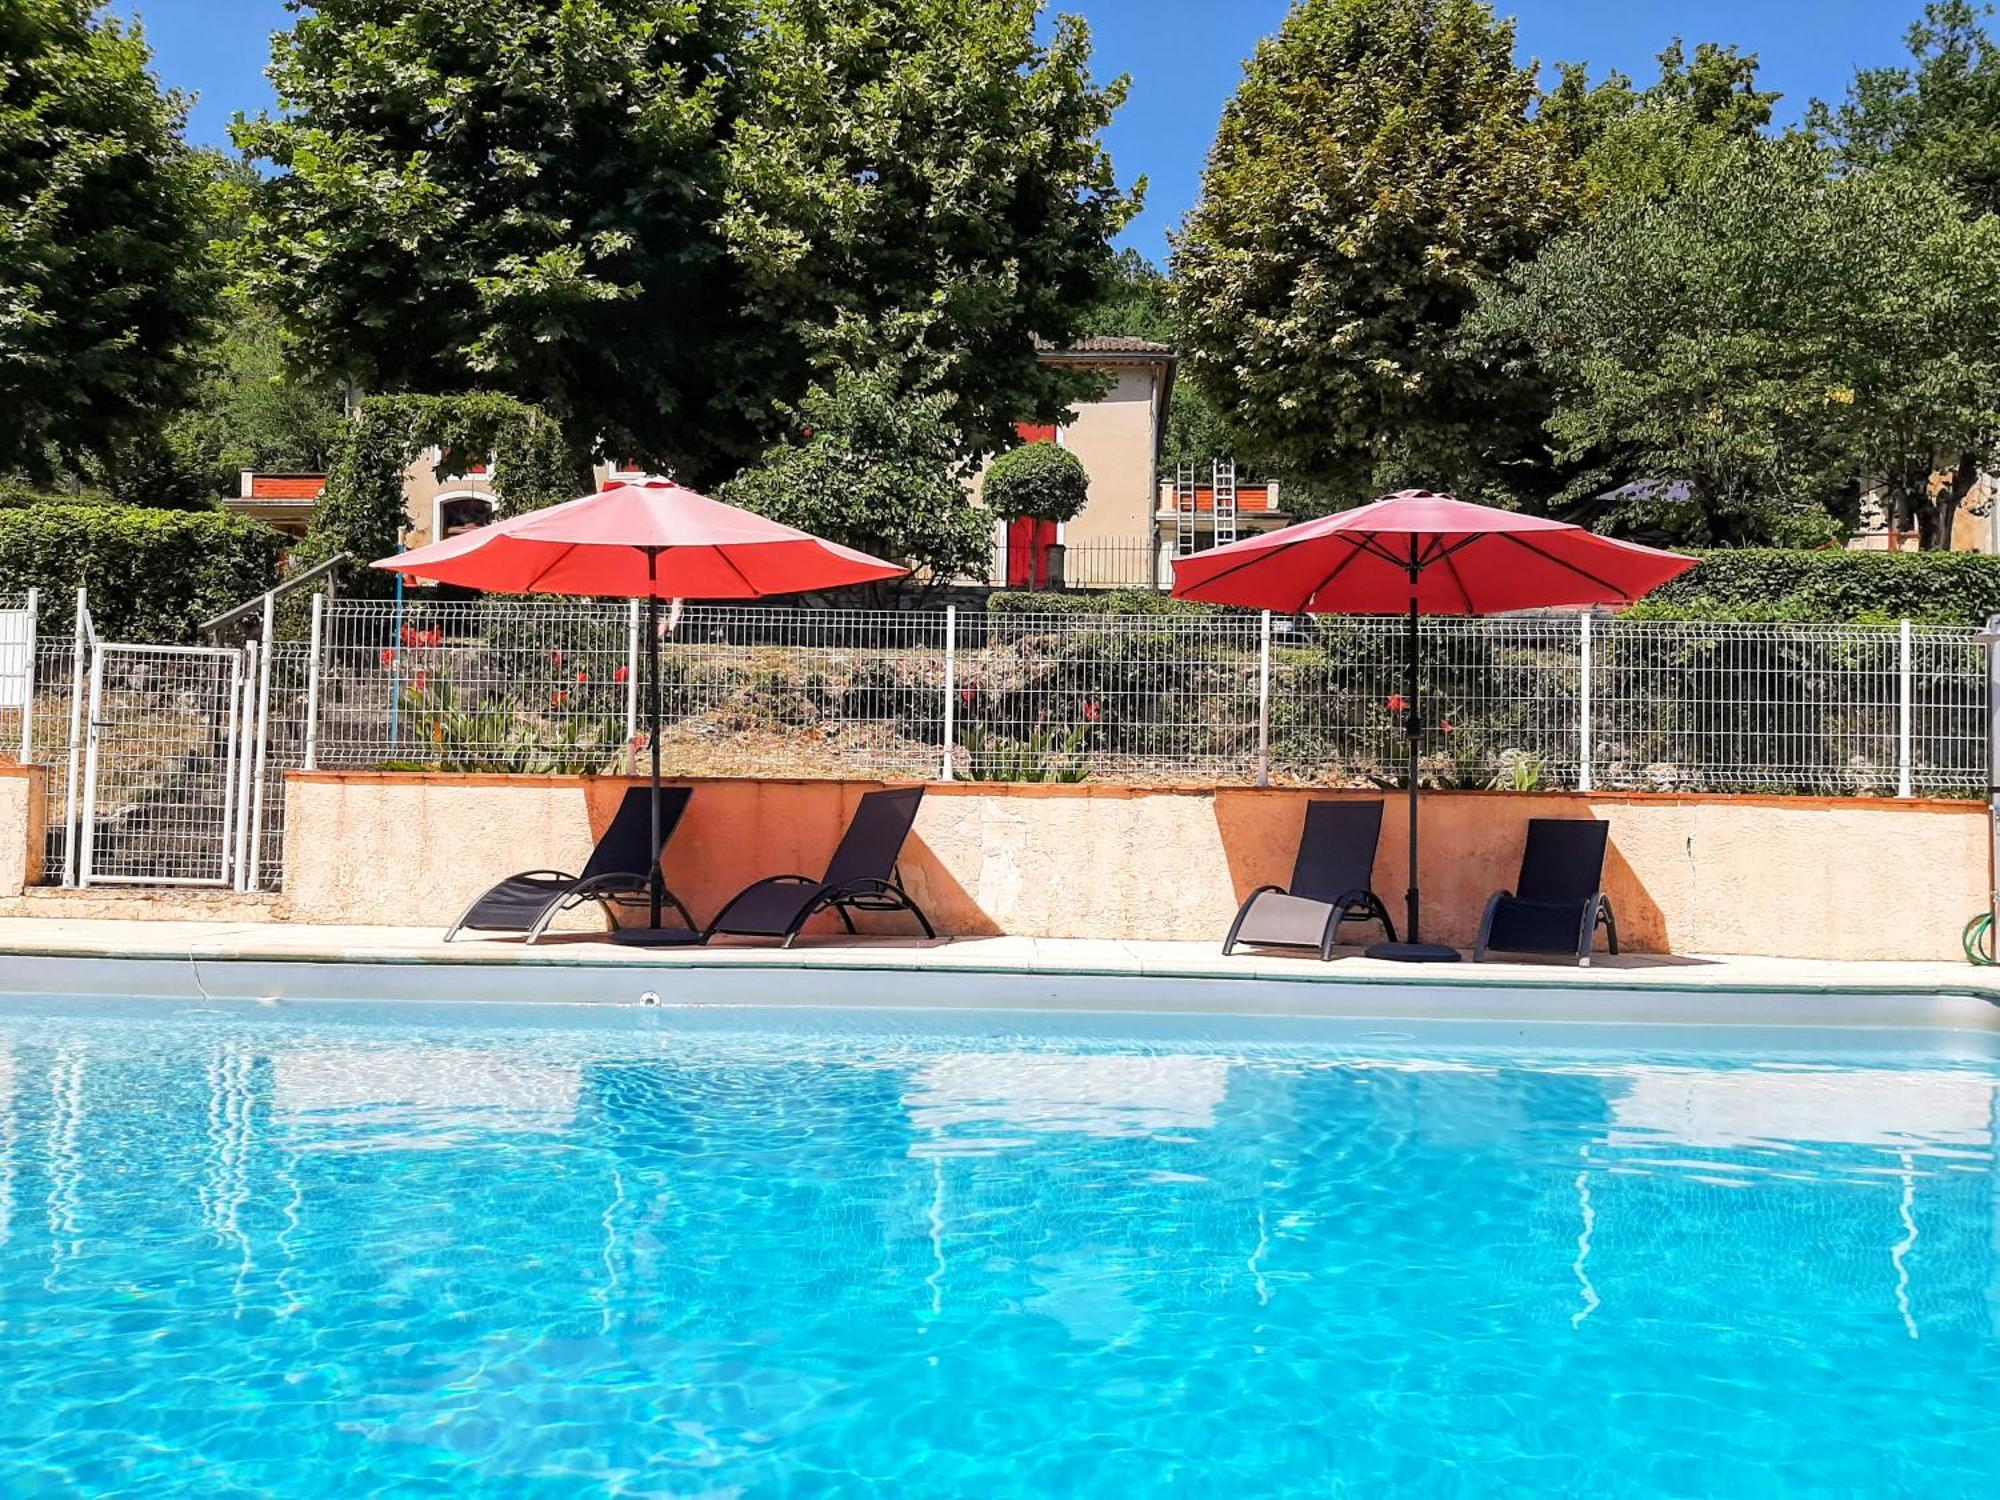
x: 42, y: 957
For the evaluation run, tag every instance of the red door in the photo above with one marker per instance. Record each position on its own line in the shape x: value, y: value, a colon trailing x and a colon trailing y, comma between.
x: 1028, y: 544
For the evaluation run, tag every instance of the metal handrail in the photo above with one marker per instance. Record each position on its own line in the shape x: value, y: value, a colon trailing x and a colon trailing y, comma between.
x: 229, y: 617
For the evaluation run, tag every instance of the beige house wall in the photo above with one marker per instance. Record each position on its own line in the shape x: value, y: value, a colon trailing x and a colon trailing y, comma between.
x: 1116, y: 439
x: 1791, y: 877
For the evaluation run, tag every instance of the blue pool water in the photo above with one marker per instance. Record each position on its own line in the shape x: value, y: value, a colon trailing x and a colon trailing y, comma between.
x: 351, y: 1251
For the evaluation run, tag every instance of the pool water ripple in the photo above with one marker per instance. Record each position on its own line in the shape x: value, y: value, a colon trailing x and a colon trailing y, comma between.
x: 323, y: 1253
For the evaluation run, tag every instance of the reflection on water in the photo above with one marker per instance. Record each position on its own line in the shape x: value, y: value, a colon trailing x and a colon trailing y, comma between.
x: 254, y: 1256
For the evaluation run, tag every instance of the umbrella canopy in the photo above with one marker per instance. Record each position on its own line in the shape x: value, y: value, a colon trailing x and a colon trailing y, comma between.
x: 648, y: 541
x: 1468, y: 560
x: 1423, y: 554
x: 638, y: 541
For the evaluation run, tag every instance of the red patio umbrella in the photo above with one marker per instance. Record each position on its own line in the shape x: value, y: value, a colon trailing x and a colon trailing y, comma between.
x: 651, y: 541
x: 1424, y: 554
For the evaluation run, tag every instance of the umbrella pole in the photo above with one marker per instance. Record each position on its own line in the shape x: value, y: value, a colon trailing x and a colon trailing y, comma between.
x: 657, y: 879
x: 1411, y: 676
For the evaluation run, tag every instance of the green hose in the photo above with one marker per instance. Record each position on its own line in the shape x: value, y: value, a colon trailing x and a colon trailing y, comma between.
x: 1978, y: 941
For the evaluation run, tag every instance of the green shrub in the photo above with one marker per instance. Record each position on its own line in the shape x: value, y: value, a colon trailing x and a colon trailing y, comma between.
x: 153, y: 575
x: 1831, y: 587
x: 1108, y: 602
x: 1037, y: 479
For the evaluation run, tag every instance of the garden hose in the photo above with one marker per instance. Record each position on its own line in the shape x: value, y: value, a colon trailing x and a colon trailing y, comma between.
x: 1978, y: 941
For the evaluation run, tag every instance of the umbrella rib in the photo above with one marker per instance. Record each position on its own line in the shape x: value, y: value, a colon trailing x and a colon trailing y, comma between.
x: 1451, y: 567
x: 1340, y: 567
x: 555, y: 562
x: 723, y: 553
x: 1560, y: 562
x: 1263, y: 555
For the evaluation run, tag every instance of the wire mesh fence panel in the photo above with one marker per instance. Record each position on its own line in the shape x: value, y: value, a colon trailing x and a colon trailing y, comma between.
x: 17, y: 681
x: 760, y: 691
x: 285, y: 719
x: 1498, y: 698
x: 1061, y: 697
x: 1948, y: 712
x: 58, y: 715
x: 483, y: 685
x: 1737, y: 707
x: 160, y: 785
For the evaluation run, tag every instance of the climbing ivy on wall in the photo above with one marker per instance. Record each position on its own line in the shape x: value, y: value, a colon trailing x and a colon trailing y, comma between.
x: 362, y: 511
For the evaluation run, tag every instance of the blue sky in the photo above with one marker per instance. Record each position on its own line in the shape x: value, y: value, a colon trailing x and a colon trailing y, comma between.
x: 1184, y: 57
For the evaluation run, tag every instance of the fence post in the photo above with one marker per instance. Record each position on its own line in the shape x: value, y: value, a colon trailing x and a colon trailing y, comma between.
x: 950, y: 688
x: 1264, y: 700
x: 1907, y: 672
x: 90, y: 758
x: 1586, y: 775
x: 256, y: 865
x: 312, y: 682
x: 28, y: 679
x: 631, y: 676
x: 245, y: 696
x: 76, y: 656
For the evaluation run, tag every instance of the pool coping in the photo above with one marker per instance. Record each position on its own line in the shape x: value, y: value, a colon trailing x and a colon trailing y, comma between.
x: 276, y: 962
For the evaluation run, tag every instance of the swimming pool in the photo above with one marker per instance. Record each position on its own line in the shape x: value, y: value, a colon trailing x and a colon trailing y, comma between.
x: 318, y: 1250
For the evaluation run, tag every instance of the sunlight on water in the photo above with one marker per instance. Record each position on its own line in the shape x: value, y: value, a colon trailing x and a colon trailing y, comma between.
x: 318, y: 1251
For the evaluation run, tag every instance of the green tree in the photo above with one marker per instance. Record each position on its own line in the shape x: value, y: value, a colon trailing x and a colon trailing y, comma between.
x: 105, y: 283
x: 1773, y: 337
x: 1939, y: 114
x: 871, y: 466
x: 1036, y: 479
x: 1648, y: 143
x: 659, y: 223
x: 1380, y: 162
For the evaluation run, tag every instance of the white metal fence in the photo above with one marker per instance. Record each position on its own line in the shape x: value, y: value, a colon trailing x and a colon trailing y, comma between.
x: 555, y: 686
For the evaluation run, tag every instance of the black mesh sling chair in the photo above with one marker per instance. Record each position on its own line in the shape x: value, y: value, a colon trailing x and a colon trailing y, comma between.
x: 617, y: 875
x: 1558, y: 903
x: 1330, y: 884
x: 861, y: 876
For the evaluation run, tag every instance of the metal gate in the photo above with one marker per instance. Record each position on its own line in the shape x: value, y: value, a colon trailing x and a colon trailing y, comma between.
x: 163, y: 766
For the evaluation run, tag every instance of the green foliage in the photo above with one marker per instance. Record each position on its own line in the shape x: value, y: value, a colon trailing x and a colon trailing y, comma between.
x: 1647, y: 144
x: 1379, y: 163
x: 105, y: 284
x: 1754, y: 583
x: 877, y: 467
x: 1938, y: 115
x: 1040, y: 480
x: 484, y: 733
x: 1105, y: 602
x: 1134, y: 301
x: 661, y: 223
x: 1044, y: 756
x: 363, y: 512
x: 1771, y: 335
x: 153, y: 575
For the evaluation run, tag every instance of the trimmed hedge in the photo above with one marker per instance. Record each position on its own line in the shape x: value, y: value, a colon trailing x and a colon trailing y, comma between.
x: 1745, y: 583
x: 1768, y: 583
x: 153, y: 575
x: 1038, y: 480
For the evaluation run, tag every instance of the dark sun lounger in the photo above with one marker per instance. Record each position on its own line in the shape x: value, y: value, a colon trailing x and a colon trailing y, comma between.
x: 861, y: 876
x: 1330, y: 884
x: 1558, y: 903
x: 617, y: 875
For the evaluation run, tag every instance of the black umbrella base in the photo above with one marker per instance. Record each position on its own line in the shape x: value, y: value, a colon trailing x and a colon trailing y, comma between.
x: 1415, y: 953
x: 656, y: 937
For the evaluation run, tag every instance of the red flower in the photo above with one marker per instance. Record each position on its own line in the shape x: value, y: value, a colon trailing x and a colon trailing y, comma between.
x: 1093, y: 711
x: 583, y: 676
x: 419, y: 678
x: 409, y: 635
x: 967, y: 695
x: 555, y: 660
x: 388, y: 658
x: 434, y: 637
x: 1447, y: 726
x: 623, y: 674
x: 1398, y: 703
x: 558, y: 698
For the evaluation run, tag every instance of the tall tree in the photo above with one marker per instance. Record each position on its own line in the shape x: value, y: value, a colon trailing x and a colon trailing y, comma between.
x: 1939, y: 114
x: 660, y: 223
x: 1380, y: 161
x: 105, y: 279
x: 1648, y: 142
x: 1774, y: 338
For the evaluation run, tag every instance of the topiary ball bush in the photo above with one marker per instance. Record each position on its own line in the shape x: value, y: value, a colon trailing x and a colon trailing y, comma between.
x: 1038, y: 480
